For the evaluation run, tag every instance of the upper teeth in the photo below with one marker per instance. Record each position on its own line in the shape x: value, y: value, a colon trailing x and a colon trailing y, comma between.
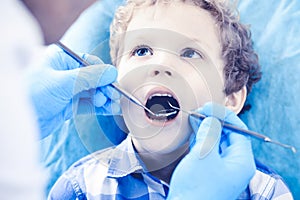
x: 160, y: 95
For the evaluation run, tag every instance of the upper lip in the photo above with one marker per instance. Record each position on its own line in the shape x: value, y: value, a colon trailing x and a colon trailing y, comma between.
x: 160, y: 91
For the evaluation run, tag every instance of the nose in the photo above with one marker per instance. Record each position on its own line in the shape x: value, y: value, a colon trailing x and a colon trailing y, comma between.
x: 164, y: 63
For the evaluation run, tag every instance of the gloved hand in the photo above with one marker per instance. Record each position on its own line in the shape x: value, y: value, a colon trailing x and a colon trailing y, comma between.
x: 59, y: 88
x: 208, y: 173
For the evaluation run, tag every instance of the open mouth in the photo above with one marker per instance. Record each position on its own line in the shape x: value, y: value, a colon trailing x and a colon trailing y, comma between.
x: 162, y: 106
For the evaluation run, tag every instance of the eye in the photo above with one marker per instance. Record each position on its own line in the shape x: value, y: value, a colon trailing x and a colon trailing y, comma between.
x: 190, y: 53
x: 142, y: 50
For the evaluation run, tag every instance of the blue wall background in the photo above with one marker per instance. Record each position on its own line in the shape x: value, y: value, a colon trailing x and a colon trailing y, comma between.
x: 275, y: 100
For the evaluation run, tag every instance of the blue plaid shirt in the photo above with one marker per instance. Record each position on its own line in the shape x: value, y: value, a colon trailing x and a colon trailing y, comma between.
x: 117, y: 173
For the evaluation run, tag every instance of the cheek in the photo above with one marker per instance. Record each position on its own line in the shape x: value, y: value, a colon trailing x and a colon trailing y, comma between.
x: 122, y: 69
x: 207, y: 85
x: 125, y: 66
x: 206, y: 90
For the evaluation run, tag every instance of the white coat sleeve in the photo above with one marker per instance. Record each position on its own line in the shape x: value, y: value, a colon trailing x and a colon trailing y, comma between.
x: 21, y: 175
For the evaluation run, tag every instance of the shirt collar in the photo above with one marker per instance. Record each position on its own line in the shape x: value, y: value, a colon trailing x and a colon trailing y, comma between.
x: 125, y: 160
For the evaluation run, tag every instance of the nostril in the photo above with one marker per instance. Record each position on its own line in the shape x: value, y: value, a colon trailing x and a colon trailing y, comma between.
x: 156, y: 72
x: 168, y: 73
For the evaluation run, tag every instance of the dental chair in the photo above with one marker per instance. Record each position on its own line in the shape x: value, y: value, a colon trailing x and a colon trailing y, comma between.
x: 275, y: 109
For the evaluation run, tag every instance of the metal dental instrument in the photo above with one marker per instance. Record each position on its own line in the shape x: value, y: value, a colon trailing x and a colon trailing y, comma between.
x: 115, y: 86
x: 239, y: 130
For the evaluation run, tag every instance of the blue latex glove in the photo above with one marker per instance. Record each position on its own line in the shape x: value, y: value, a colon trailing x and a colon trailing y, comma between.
x: 205, y: 173
x: 59, y: 89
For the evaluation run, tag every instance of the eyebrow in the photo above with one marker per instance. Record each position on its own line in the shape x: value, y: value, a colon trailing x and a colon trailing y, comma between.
x: 201, y: 46
x: 134, y: 40
x: 201, y: 43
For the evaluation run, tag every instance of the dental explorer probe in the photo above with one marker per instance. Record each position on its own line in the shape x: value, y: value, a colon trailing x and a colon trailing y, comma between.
x: 237, y: 129
x: 115, y: 86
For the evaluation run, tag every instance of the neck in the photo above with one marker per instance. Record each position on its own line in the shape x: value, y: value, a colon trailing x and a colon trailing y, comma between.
x: 162, y: 165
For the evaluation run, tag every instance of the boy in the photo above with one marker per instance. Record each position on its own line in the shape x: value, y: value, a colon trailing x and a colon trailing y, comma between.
x: 171, y: 55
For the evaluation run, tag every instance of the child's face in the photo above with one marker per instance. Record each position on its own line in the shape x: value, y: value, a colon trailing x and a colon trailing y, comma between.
x: 171, y: 53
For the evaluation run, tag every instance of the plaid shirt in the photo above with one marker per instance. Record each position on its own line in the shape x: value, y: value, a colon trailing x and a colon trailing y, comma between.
x: 117, y: 173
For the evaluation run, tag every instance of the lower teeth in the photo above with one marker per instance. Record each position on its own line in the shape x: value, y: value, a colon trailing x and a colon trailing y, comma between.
x: 163, y: 114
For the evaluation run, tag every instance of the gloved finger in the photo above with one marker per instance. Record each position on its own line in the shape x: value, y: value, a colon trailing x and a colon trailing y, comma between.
x: 215, y: 110
x: 109, y: 108
x: 81, y: 79
x: 239, y: 155
x: 110, y: 92
x: 236, y: 138
x: 91, y: 102
x: 209, y: 109
x: 86, y: 93
x: 57, y: 59
x: 84, y: 107
x: 103, y: 93
x: 233, y: 119
x: 60, y: 60
x: 194, y: 122
x: 223, y: 114
x: 99, y: 99
x: 91, y: 59
x: 208, y: 138
x: 239, y: 142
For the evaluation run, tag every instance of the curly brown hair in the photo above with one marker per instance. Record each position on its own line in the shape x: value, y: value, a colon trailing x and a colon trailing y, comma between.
x: 241, y: 62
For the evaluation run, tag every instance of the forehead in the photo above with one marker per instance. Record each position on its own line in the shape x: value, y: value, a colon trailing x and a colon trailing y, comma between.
x: 190, y: 21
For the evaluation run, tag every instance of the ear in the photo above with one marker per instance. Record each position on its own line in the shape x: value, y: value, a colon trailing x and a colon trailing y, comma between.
x: 236, y: 100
